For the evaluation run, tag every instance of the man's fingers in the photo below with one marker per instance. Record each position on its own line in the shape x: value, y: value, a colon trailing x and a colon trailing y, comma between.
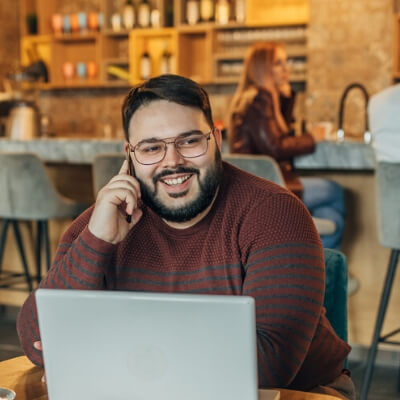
x: 124, y: 168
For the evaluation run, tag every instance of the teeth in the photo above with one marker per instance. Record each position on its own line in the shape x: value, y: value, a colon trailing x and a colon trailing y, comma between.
x: 176, y: 181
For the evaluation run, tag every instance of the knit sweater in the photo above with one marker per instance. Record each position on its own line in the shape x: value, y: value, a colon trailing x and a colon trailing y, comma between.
x: 257, y: 240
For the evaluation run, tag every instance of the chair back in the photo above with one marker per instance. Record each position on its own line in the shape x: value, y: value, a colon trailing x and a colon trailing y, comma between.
x: 105, y: 166
x: 388, y: 203
x: 261, y: 165
x: 27, y: 193
x: 335, y: 300
x: 266, y: 167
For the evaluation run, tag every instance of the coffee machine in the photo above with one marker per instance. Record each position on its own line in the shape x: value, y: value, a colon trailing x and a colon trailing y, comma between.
x: 19, y: 113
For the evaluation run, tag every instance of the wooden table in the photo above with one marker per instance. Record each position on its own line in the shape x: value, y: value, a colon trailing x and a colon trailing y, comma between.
x: 20, y: 375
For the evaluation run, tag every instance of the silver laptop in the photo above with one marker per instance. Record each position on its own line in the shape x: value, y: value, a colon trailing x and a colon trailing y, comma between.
x: 101, y: 345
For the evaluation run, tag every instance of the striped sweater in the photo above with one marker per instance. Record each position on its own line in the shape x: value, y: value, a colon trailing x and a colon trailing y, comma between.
x: 258, y: 240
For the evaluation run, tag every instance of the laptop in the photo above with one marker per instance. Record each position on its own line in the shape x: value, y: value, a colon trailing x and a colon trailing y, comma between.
x: 101, y: 345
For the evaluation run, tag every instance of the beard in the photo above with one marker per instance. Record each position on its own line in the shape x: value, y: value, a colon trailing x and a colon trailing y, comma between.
x: 207, y: 188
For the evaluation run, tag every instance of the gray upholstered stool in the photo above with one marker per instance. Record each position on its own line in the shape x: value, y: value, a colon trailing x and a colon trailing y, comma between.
x: 388, y: 202
x: 105, y: 166
x: 27, y: 194
x: 266, y: 167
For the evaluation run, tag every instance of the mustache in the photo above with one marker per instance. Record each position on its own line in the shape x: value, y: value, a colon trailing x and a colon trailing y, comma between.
x: 179, y: 170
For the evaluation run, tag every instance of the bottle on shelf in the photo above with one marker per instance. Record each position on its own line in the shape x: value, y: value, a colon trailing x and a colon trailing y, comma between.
x: 240, y: 11
x: 144, y: 14
x: 192, y: 12
x: 128, y: 15
x: 145, y: 64
x: 206, y: 10
x: 222, y: 9
x: 166, y: 60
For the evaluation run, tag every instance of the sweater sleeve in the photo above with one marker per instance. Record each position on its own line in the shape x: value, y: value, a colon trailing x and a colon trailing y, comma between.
x: 285, y: 273
x: 80, y: 263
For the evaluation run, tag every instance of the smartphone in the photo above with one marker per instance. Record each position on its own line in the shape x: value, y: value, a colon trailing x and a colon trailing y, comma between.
x: 131, y: 172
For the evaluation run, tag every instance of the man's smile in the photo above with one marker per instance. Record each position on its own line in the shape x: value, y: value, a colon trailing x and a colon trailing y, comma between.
x: 176, y: 180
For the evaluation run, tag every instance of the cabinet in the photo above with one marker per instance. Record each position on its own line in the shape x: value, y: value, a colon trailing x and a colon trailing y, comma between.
x: 207, y: 52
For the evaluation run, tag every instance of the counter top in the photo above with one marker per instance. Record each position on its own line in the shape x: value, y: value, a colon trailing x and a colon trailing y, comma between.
x: 338, y: 156
x: 63, y: 150
x: 327, y: 156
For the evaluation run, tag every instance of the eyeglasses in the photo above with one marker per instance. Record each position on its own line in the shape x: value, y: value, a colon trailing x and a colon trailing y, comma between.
x: 188, y: 145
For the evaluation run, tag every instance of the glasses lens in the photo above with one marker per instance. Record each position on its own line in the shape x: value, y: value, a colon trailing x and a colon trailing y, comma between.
x: 188, y: 146
x: 192, y: 145
x: 150, y: 152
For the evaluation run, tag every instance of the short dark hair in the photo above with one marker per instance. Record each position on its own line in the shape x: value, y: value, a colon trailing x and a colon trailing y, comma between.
x: 173, y: 88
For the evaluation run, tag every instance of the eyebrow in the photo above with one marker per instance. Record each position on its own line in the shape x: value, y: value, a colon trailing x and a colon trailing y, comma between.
x: 183, y: 134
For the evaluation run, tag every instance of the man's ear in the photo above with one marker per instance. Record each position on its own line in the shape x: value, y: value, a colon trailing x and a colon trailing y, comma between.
x: 218, y: 137
x: 126, y: 146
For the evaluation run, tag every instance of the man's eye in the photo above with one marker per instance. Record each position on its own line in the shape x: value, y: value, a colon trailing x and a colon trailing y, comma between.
x: 153, y: 148
x: 190, y: 141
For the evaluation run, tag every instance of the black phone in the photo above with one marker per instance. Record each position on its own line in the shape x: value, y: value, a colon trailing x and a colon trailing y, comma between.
x: 131, y: 172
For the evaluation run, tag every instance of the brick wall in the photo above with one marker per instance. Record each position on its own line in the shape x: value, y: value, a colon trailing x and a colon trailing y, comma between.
x: 349, y: 41
x: 9, y: 38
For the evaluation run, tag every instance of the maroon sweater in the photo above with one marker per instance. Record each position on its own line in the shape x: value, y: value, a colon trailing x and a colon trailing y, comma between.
x: 257, y: 240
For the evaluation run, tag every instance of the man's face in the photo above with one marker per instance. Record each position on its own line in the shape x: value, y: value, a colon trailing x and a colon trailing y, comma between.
x: 176, y: 188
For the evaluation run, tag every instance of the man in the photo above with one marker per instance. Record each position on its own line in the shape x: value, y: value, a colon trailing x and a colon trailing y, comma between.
x: 199, y: 225
x: 384, y: 122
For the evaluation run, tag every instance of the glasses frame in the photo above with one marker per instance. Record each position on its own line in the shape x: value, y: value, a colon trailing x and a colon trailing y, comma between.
x: 171, y: 140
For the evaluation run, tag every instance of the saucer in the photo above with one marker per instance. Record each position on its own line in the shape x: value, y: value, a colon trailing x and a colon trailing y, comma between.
x: 7, y: 394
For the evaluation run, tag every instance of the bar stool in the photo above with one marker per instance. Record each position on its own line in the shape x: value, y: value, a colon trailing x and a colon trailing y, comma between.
x: 388, y: 203
x: 104, y: 167
x: 27, y: 194
x: 266, y: 167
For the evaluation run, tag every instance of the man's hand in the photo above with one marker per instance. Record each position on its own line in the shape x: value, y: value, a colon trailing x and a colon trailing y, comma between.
x: 107, y: 221
x: 38, y: 346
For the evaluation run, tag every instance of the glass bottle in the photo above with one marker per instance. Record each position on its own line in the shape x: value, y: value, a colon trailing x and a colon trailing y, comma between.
x: 144, y: 14
x: 145, y: 65
x: 222, y: 12
x: 166, y: 60
x: 192, y: 12
x: 206, y: 10
x: 240, y: 11
x: 128, y: 15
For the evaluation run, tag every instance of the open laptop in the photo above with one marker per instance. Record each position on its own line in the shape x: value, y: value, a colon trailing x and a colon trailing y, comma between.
x: 100, y: 345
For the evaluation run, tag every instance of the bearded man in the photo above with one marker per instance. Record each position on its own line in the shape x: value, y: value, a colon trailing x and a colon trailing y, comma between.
x: 178, y: 219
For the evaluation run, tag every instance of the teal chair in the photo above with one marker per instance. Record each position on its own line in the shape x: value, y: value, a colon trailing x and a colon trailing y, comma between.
x: 335, y: 300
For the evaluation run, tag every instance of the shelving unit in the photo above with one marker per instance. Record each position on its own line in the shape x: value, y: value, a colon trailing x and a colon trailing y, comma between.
x: 206, y: 52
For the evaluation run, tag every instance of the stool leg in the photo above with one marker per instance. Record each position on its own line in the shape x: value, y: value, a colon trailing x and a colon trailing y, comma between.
x: 394, y: 256
x: 3, y: 237
x: 47, y: 243
x: 39, y: 252
x: 22, y: 253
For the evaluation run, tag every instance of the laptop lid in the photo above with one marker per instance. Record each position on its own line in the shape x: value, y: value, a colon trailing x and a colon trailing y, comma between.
x: 147, y: 346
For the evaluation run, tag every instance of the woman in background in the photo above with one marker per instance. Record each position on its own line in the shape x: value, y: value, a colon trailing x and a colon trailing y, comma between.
x: 260, y: 118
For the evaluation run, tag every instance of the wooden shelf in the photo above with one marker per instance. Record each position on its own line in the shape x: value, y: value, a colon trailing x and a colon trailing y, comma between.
x: 197, y: 51
x: 116, y: 61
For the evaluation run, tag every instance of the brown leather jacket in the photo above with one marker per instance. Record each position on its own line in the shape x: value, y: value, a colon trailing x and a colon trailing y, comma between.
x: 254, y: 130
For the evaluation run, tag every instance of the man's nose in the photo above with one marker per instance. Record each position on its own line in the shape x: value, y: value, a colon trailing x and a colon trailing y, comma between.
x: 172, y: 157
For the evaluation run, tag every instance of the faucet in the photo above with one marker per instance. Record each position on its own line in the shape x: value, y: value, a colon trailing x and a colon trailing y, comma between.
x: 340, y: 131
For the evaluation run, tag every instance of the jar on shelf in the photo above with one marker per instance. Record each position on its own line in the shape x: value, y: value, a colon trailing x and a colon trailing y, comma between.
x: 206, y: 10
x: 222, y: 9
x: 192, y: 12
x: 144, y: 14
